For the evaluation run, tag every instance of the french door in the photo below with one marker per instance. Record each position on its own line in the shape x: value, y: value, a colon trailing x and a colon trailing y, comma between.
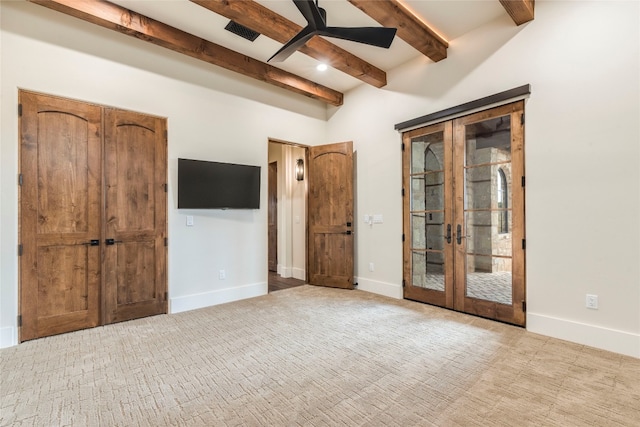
x: 464, y: 214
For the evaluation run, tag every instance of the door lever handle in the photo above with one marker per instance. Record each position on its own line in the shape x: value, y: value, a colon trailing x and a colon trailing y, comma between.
x: 448, y: 233
x: 93, y: 242
x: 110, y: 242
x: 459, y: 234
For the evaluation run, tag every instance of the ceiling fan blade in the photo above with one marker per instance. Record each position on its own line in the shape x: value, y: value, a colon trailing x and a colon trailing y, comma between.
x: 294, y: 44
x: 311, y: 13
x: 374, y: 36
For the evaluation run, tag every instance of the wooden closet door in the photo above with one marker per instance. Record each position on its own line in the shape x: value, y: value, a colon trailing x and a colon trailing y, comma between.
x: 60, y: 199
x: 135, y: 260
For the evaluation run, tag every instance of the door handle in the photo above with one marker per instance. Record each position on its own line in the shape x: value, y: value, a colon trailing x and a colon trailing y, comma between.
x: 348, y: 232
x: 448, y: 233
x: 459, y: 234
x: 110, y: 242
x: 92, y: 242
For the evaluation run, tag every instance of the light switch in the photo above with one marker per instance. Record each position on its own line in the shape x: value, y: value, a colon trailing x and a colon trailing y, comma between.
x: 189, y: 220
x: 377, y: 219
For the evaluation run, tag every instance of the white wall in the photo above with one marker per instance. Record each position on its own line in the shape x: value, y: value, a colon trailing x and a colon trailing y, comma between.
x: 582, y: 159
x: 213, y: 115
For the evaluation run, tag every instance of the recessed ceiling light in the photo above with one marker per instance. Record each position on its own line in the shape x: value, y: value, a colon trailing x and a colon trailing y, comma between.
x: 321, y: 67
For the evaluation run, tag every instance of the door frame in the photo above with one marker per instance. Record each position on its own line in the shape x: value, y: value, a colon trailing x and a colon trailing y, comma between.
x: 306, y: 200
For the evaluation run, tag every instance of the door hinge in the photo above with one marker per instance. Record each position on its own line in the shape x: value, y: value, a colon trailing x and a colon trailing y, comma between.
x: 20, y: 179
x: 20, y: 249
x: 166, y: 135
x: 19, y: 110
x: 524, y: 306
x: 404, y: 283
x: 165, y: 296
x: 166, y: 241
x: 524, y: 243
x: 19, y: 320
x: 522, y: 181
x: 403, y: 192
x: 402, y: 146
x: 403, y: 237
x: 166, y: 188
x: 522, y: 119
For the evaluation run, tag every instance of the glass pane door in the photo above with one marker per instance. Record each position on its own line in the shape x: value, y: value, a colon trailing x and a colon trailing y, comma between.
x: 489, y: 214
x: 427, y: 214
x: 464, y: 214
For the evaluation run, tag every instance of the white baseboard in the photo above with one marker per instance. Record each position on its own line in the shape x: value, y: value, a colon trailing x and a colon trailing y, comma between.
x: 622, y: 342
x: 221, y: 296
x: 284, y: 272
x: 8, y: 337
x: 299, y: 273
x: 382, y: 288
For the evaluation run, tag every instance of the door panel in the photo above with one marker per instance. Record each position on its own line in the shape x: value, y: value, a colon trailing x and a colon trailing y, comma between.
x: 464, y: 214
x: 427, y: 250
x: 488, y: 153
x: 60, y: 159
x: 135, y: 211
x: 331, y: 215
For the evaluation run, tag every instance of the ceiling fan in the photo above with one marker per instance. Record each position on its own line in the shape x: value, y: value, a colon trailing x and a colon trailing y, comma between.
x: 317, y: 25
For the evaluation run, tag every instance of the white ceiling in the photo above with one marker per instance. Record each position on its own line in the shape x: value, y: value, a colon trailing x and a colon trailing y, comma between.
x: 449, y: 18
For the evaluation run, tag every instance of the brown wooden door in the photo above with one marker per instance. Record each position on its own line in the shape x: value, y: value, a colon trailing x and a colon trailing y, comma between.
x: 330, y: 172
x: 273, y: 216
x: 428, y: 248
x: 60, y: 199
x: 135, y: 260
x: 464, y: 214
x: 489, y: 214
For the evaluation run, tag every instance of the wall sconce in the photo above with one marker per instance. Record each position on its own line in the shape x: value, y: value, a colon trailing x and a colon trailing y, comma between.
x: 299, y: 169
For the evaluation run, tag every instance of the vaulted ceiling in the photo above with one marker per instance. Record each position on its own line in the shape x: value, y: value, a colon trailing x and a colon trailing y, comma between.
x: 196, y: 28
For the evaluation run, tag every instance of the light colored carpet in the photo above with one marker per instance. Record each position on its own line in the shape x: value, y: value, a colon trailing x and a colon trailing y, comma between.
x: 316, y: 357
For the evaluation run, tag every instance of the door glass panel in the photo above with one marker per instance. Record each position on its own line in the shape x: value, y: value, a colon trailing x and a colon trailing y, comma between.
x: 428, y: 230
x: 489, y: 278
x: 488, y: 141
x: 487, y: 206
x: 427, y: 211
x: 428, y: 270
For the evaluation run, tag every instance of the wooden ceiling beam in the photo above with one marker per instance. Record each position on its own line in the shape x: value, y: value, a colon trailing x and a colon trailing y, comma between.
x: 391, y: 13
x: 253, y: 15
x: 125, y: 21
x: 521, y: 11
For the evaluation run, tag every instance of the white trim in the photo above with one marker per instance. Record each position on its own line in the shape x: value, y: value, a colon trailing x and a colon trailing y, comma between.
x: 299, y: 273
x: 284, y: 272
x: 622, y: 342
x: 221, y: 296
x: 8, y: 337
x: 381, y: 288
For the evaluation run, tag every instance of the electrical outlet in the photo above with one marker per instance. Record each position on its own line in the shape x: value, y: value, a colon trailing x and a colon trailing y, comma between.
x: 189, y: 221
x: 370, y: 266
x: 592, y: 301
x: 222, y: 275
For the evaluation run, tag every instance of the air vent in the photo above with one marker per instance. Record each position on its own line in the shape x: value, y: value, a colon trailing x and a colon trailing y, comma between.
x: 242, y: 31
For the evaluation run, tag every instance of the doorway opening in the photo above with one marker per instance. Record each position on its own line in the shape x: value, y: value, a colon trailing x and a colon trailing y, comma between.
x: 287, y: 215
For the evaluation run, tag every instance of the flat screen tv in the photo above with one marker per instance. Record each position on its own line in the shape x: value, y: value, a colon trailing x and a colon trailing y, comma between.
x: 214, y: 185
